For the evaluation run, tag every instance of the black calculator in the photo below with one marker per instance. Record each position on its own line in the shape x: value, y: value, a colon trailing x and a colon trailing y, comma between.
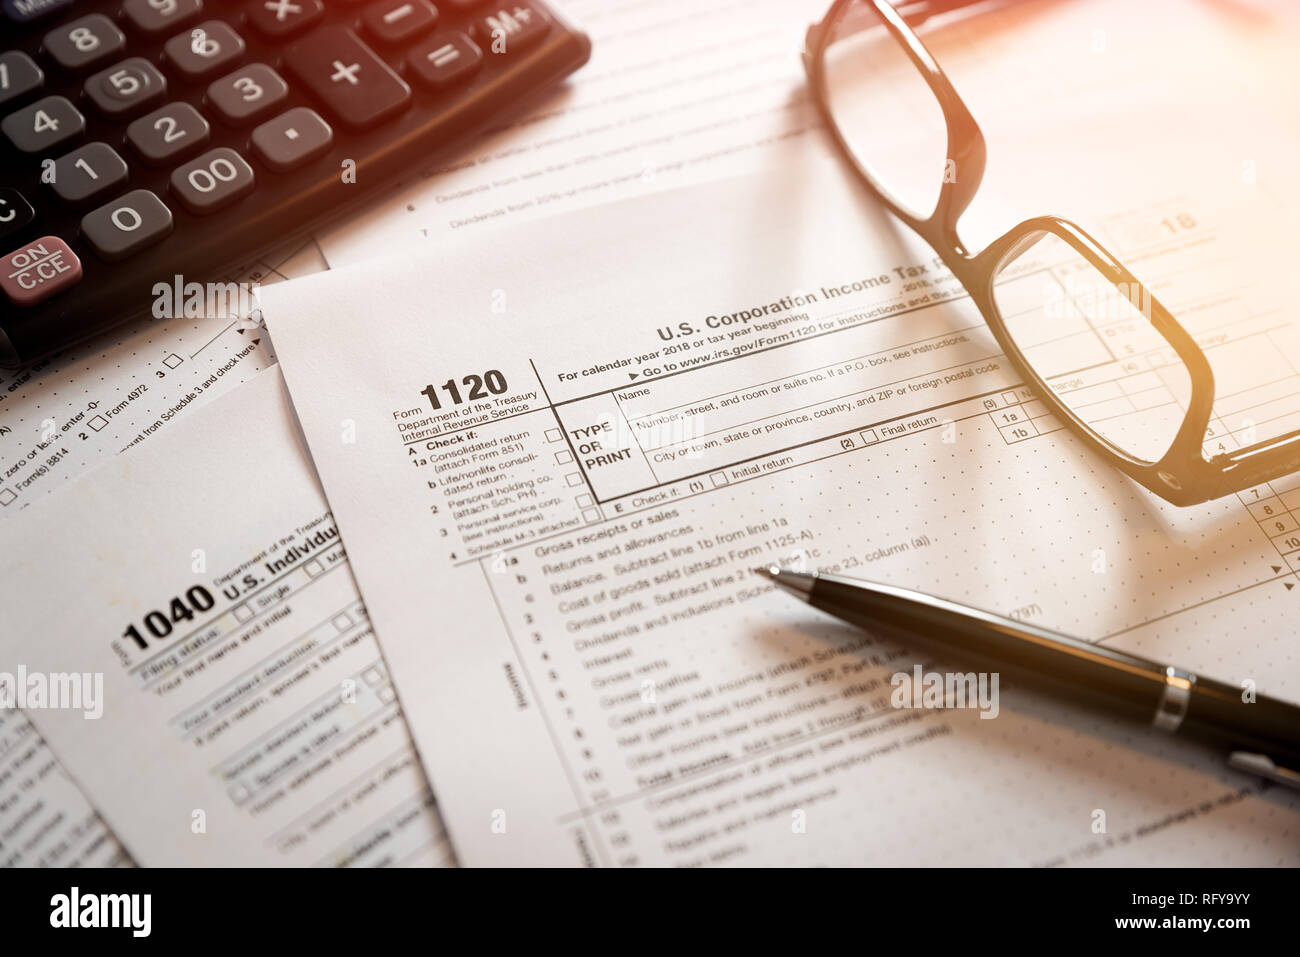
x: 165, y: 141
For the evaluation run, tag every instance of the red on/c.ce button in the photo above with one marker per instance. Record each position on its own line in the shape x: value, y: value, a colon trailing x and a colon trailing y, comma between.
x: 38, y: 270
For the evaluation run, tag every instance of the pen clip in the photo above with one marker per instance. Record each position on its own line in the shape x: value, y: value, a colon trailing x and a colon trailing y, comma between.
x: 1265, y: 767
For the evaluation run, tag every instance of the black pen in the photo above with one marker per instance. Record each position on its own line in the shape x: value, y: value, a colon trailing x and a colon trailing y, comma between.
x: 1261, y: 734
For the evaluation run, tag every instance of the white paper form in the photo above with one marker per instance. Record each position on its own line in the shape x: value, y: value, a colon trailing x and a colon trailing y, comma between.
x: 678, y: 93
x: 247, y: 715
x: 552, y: 507
x: 675, y: 92
x: 59, y: 418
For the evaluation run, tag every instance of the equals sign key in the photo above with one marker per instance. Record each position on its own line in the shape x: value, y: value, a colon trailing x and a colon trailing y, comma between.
x: 447, y: 57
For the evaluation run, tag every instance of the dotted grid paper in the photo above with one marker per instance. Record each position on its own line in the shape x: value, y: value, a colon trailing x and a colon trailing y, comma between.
x: 57, y: 419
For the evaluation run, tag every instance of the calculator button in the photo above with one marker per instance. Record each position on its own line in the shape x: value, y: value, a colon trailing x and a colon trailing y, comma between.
x: 45, y: 125
x: 24, y: 11
x: 15, y: 211
x: 84, y: 42
x: 19, y: 75
x: 161, y: 16
x: 89, y: 171
x: 248, y: 94
x: 356, y: 86
x: 38, y: 270
x: 127, y: 225
x: 169, y: 133
x: 215, y: 179
x: 277, y: 19
x: 397, y: 21
x: 127, y: 87
x: 510, y: 28
x: 292, y: 139
x: 445, y: 58
x: 204, y: 50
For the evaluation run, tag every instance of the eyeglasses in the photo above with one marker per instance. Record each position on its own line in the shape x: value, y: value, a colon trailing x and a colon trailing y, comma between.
x: 1091, y: 341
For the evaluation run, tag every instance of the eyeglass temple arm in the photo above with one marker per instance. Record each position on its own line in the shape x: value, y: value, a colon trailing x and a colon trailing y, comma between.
x: 1256, y: 464
x: 919, y: 11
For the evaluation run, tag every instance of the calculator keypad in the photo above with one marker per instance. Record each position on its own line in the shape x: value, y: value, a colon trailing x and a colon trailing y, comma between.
x: 19, y: 75
x: 214, y: 180
x: 84, y: 42
x: 127, y: 225
x: 161, y: 16
x: 292, y: 139
x: 38, y: 270
x: 15, y: 211
x: 247, y: 95
x: 214, y: 128
x: 277, y: 19
x: 126, y: 88
x: 398, y: 21
x: 45, y: 125
x: 447, y: 57
x: 169, y: 134
x: 88, y: 172
x: 204, y: 50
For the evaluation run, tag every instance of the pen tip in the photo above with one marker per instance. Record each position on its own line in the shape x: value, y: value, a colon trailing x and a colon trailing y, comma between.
x: 768, y: 571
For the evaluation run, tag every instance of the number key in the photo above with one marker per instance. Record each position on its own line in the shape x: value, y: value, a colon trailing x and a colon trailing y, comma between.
x: 19, y: 75
x: 84, y: 42
x: 248, y: 94
x: 127, y: 225
x: 126, y: 87
x: 215, y: 179
x: 168, y: 134
x: 202, y: 51
x: 160, y: 16
x: 87, y: 172
x: 45, y: 125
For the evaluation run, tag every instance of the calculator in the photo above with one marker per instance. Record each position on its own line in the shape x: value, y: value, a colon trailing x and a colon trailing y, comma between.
x: 169, y: 141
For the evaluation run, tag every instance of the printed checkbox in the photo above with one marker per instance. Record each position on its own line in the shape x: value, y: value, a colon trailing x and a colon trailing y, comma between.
x: 172, y: 361
x: 1010, y: 398
x: 239, y: 793
x: 342, y: 622
x: 553, y: 435
x: 573, y: 478
x: 869, y: 436
x: 591, y: 515
x: 585, y: 501
x: 314, y: 567
x: 243, y: 612
x: 563, y: 458
x: 373, y: 675
x: 98, y: 422
x: 719, y: 479
x: 7, y: 495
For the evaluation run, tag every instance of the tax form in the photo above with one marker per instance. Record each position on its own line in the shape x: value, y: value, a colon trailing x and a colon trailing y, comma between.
x: 58, y: 419
x: 247, y: 717
x: 556, y: 454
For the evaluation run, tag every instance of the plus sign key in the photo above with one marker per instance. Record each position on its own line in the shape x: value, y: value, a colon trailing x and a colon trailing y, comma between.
x: 358, y: 88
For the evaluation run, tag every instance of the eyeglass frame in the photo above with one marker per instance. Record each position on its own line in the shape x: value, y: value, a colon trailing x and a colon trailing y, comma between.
x: 1182, y: 476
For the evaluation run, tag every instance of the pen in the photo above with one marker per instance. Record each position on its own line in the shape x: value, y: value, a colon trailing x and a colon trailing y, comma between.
x: 1261, y: 734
